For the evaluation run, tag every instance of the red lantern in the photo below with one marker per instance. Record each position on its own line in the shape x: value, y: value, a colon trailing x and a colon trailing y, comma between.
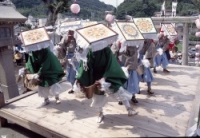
x: 197, y: 47
x: 75, y: 8
x: 197, y: 22
x: 109, y: 18
x: 197, y: 34
x: 196, y: 59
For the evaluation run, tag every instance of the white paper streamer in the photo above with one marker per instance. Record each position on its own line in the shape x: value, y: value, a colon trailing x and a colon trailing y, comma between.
x: 38, y: 46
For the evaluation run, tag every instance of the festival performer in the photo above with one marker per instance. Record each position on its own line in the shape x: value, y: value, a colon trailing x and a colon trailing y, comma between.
x: 48, y: 71
x: 102, y: 70
x: 61, y: 55
x: 115, y: 47
x: 18, y: 58
x: 172, y: 48
x: 130, y: 60
x: 148, y: 51
x: 45, y: 71
x: 68, y: 46
x: 160, y: 57
x: 173, y: 41
x: 146, y: 56
x: 174, y: 55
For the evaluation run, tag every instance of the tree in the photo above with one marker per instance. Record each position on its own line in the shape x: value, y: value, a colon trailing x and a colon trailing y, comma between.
x: 54, y: 8
x: 196, y: 4
x: 186, y: 8
x: 136, y: 8
x: 40, y: 9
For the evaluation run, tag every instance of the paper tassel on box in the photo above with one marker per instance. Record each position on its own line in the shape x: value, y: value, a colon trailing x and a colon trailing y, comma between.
x: 38, y: 46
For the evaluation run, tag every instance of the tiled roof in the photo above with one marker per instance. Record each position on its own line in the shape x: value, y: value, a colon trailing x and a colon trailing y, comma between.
x: 8, y: 13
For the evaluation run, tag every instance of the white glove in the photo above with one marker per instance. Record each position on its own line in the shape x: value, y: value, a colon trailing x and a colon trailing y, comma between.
x: 70, y: 61
x: 146, y: 63
x: 104, y: 85
x: 21, y: 71
x: 160, y: 51
x: 36, y: 76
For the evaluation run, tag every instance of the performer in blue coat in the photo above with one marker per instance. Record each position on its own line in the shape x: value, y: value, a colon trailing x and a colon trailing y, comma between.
x: 160, y: 58
x: 68, y: 45
x: 130, y: 60
x: 147, y: 53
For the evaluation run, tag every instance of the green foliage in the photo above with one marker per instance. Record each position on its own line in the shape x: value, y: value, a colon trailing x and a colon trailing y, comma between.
x: 26, y: 3
x: 59, y: 6
x: 96, y: 10
x: 145, y: 8
x: 196, y: 4
x: 89, y: 8
x: 194, y: 38
x: 54, y: 8
x: 184, y: 9
x: 35, y: 8
x: 136, y: 8
x: 179, y: 45
x: 38, y: 11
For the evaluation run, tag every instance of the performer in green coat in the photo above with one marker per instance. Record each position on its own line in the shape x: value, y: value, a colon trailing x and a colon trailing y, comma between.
x: 103, y: 64
x: 48, y: 70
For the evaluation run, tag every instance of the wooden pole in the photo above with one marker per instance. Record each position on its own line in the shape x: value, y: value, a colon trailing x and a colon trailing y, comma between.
x: 177, y: 19
x: 185, y: 44
x: 3, y: 121
x: 7, y: 74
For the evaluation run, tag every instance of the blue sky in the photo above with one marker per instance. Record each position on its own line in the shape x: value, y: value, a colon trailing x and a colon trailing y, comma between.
x: 112, y: 2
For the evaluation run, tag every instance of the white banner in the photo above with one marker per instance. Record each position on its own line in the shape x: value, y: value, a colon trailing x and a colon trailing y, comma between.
x: 174, y: 6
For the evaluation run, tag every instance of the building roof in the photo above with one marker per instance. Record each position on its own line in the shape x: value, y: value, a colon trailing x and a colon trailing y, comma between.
x: 8, y: 14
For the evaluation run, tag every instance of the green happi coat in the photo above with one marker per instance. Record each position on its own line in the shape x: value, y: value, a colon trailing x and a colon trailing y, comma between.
x: 101, y: 64
x: 46, y: 64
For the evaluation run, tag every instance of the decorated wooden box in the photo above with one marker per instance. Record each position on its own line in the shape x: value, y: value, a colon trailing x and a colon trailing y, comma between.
x: 129, y: 35
x: 35, y: 39
x: 95, y: 36
x: 169, y: 29
x: 146, y: 27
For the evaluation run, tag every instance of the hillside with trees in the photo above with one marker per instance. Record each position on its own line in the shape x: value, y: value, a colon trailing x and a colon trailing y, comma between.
x: 89, y: 8
x: 94, y: 9
x: 146, y: 8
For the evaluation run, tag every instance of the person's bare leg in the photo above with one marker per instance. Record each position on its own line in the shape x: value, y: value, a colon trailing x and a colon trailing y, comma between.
x: 100, y: 115
x: 57, y: 99
x: 46, y: 101
x: 149, y: 91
